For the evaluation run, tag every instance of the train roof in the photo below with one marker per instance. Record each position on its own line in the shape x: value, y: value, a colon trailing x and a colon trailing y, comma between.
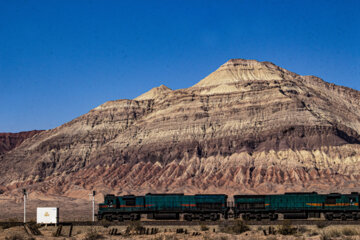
x: 164, y: 194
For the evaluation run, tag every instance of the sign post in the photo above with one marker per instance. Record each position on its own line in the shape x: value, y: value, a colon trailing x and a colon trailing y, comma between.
x: 93, y: 204
x: 25, y: 196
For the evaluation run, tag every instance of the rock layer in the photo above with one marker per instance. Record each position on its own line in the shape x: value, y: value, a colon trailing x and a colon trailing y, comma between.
x: 248, y: 127
x: 9, y: 141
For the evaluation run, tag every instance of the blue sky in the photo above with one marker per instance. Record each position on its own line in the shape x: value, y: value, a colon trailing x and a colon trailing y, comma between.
x: 59, y: 59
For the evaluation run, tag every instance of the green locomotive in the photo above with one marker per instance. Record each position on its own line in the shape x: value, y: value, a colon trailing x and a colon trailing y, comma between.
x: 164, y: 206
x: 214, y: 206
x: 298, y: 206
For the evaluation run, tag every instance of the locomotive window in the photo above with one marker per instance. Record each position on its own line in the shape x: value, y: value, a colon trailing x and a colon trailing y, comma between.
x: 330, y: 201
x: 209, y: 205
x: 251, y: 205
x: 130, y: 202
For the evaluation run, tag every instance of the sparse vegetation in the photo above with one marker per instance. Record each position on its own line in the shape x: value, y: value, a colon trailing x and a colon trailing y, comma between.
x: 238, y: 228
x: 134, y: 227
x: 349, y: 232
x: 14, y: 237
x: 204, y: 227
x: 10, y: 223
x: 313, y: 233
x: 166, y: 237
x: 330, y: 234
x: 93, y: 235
x: 321, y: 224
x: 271, y: 238
x: 287, y: 229
x: 207, y: 237
x: 105, y: 223
x: 302, y: 229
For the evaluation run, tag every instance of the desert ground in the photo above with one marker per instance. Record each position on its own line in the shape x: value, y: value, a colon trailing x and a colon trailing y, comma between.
x: 192, y: 232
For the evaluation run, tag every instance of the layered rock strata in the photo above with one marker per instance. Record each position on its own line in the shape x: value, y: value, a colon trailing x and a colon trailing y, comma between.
x: 248, y: 127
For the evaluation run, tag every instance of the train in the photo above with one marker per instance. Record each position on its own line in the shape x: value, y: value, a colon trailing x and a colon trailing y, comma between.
x: 176, y: 206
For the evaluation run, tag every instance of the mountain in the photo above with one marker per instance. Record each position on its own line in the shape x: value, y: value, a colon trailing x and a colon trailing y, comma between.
x: 248, y: 127
x: 8, y: 141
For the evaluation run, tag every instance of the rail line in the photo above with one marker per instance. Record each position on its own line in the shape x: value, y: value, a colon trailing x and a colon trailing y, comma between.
x: 198, y: 223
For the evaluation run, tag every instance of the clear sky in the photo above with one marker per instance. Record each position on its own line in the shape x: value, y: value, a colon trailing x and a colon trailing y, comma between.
x: 59, y: 59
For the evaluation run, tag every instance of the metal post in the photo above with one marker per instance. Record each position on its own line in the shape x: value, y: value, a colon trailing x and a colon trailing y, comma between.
x: 24, y: 192
x: 93, y: 204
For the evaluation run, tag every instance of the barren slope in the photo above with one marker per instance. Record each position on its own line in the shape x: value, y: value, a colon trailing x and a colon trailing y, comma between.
x: 249, y: 126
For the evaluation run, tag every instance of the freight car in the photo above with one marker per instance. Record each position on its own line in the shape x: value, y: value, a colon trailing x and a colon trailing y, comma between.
x: 297, y: 206
x: 164, y: 206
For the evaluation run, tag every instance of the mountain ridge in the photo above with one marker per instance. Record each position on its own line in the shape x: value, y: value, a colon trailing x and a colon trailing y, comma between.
x: 266, y: 131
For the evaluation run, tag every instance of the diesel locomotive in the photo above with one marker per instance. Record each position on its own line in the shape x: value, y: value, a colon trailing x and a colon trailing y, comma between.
x: 216, y: 206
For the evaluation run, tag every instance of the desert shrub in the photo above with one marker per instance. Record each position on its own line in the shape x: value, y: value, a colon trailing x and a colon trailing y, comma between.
x: 105, y: 223
x: 170, y: 237
x: 330, y: 235
x: 287, y: 229
x: 92, y: 235
x: 204, y: 227
x: 302, y: 229
x: 135, y: 226
x: 166, y: 237
x: 349, y: 232
x: 12, y: 222
x: 15, y: 236
x: 313, y: 233
x: 238, y: 228
x: 321, y: 224
x: 207, y: 237
x: 271, y: 238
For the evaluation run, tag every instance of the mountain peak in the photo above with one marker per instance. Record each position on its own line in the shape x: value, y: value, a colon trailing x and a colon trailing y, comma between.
x: 242, y: 70
x: 154, y: 93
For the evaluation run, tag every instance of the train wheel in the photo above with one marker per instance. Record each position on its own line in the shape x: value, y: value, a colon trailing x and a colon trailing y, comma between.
x: 109, y: 218
x: 329, y: 216
x: 214, y: 217
x: 188, y: 217
x: 343, y: 217
x: 273, y: 217
x: 258, y: 217
x: 134, y: 217
x: 246, y: 217
x: 120, y: 218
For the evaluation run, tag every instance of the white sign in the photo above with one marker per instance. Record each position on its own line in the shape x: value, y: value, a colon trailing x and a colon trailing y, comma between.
x: 47, y: 215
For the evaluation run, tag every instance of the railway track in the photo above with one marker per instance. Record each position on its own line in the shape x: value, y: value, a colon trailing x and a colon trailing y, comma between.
x: 192, y: 223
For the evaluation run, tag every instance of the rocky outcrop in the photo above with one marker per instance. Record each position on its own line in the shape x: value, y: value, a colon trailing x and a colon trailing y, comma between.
x: 8, y: 141
x: 248, y: 127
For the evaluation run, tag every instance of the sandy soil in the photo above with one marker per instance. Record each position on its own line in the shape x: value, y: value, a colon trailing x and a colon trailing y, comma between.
x: 169, y: 233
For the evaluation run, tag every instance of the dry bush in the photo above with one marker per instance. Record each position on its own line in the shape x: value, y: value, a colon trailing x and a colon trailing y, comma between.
x: 204, y: 227
x: 330, y: 235
x: 93, y: 235
x: 14, y: 237
x: 238, y: 228
x: 10, y: 223
x: 134, y: 227
x: 349, y: 232
x: 17, y: 236
x: 105, y: 223
x: 166, y: 237
x: 313, y: 233
x: 302, y: 229
x: 287, y: 229
x: 321, y: 224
